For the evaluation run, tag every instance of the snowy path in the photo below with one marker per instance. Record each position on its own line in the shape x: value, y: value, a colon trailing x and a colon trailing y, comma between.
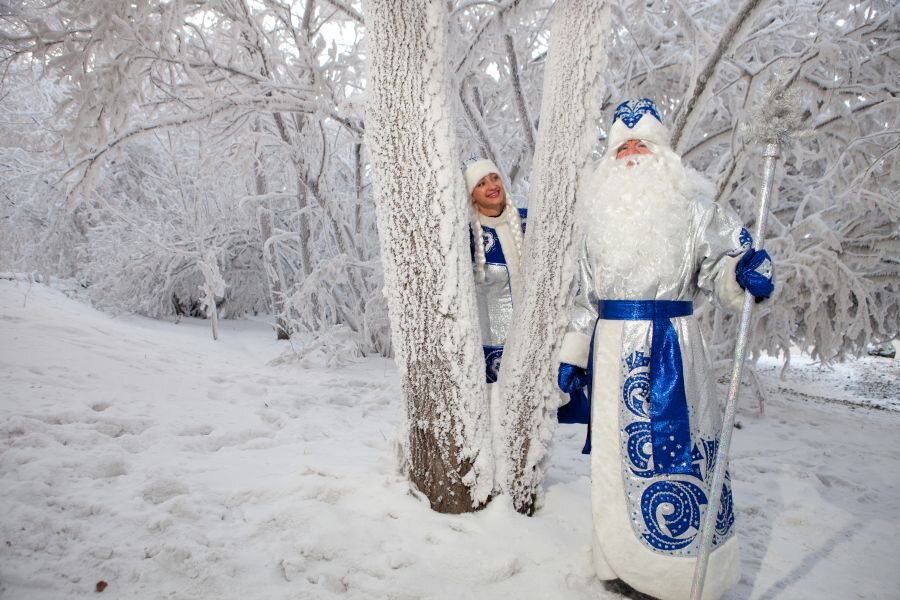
x: 146, y: 455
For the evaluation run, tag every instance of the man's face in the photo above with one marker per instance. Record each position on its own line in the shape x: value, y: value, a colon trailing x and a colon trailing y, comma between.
x: 631, y: 148
x: 489, y: 195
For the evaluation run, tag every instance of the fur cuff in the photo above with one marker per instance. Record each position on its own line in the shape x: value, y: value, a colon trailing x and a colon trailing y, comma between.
x: 575, y: 349
x: 729, y: 293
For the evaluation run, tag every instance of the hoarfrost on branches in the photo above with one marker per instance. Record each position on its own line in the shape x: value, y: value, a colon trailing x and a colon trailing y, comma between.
x: 218, y: 83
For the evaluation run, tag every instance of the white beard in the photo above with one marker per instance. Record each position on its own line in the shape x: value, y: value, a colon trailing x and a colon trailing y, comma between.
x: 637, y: 223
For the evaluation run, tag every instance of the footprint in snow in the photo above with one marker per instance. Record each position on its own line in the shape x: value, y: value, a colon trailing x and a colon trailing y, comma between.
x: 502, y: 570
x: 157, y: 492
x: 197, y: 430
x: 252, y: 389
x: 106, y: 467
x: 342, y: 400
x: 329, y: 494
x: 270, y: 417
x: 235, y: 438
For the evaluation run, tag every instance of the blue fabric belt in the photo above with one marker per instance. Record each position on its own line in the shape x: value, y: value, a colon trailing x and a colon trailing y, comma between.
x: 670, y: 424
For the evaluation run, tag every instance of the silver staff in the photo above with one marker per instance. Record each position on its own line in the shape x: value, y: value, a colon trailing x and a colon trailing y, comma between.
x: 776, y: 121
x: 740, y: 351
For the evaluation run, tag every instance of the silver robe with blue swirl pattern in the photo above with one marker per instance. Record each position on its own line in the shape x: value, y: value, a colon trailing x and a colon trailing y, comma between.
x: 647, y: 522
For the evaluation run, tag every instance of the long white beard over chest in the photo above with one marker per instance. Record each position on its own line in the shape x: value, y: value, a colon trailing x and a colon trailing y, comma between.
x: 637, y: 222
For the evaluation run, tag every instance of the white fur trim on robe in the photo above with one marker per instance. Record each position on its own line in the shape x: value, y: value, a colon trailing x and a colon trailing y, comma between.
x: 575, y: 349
x: 729, y: 293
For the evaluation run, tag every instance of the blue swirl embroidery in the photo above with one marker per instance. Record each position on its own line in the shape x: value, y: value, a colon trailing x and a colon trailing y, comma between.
x: 725, y: 517
x: 487, y: 239
x: 639, y: 451
x: 696, y: 460
x: 492, y: 363
x: 636, y: 390
x: 744, y: 242
x: 671, y: 512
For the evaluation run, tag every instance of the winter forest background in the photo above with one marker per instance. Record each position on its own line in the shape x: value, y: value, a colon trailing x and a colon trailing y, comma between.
x: 178, y: 156
x: 240, y: 161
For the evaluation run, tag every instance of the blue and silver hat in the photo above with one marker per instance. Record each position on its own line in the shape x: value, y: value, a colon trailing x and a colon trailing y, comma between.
x: 636, y: 119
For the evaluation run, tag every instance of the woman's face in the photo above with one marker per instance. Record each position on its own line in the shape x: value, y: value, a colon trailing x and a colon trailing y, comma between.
x: 489, y: 195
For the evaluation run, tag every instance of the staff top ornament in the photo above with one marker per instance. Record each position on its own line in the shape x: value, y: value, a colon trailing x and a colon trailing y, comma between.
x: 636, y: 120
x: 777, y: 118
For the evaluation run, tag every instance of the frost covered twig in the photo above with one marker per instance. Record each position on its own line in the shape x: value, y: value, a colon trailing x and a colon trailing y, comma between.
x: 701, y: 82
x: 777, y: 118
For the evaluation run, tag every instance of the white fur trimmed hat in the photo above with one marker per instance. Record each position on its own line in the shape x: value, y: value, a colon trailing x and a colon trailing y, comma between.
x: 476, y: 168
x: 629, y: 124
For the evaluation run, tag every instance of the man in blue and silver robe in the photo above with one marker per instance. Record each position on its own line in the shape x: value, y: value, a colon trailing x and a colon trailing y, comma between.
x: 653, y: 240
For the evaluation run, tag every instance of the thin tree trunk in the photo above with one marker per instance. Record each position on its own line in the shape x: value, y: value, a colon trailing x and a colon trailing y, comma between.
x: 422, y: 219
x: 273, y: 275
x: 358, y: 197
x: 571, y: 104
x: 271, y: 264
x: 521, y: 104
x: 467, y: 94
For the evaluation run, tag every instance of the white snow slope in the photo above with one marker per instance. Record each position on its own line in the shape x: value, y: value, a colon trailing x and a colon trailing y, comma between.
x: 145, y: 455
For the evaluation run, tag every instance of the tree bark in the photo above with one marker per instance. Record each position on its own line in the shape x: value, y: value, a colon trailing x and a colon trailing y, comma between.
x: 421, y: 211
x: 571, y: 104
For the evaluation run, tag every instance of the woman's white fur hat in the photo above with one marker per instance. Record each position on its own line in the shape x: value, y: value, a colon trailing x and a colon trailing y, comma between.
x: 476, y: 169
x: 636, y: 120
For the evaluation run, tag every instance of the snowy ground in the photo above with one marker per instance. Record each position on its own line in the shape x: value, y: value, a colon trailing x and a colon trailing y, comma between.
x: 145, y: 455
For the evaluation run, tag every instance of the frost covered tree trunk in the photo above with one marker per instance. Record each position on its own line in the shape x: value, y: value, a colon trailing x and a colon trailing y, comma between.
x: 421, y: 211
x: 212, y: 289
x: 275, y: 279
x: 571, y: 105
x: 271, y: 264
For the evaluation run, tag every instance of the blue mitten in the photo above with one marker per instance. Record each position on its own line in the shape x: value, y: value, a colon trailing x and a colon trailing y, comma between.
x: 571, y: 378
x: 756, y: 273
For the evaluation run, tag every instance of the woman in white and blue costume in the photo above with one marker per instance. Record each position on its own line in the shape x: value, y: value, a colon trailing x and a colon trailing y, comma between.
x: 654, y: 239
x: 497, y: 229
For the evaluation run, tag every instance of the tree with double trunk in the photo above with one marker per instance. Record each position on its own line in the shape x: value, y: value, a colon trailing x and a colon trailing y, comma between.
x: 422, y: 217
